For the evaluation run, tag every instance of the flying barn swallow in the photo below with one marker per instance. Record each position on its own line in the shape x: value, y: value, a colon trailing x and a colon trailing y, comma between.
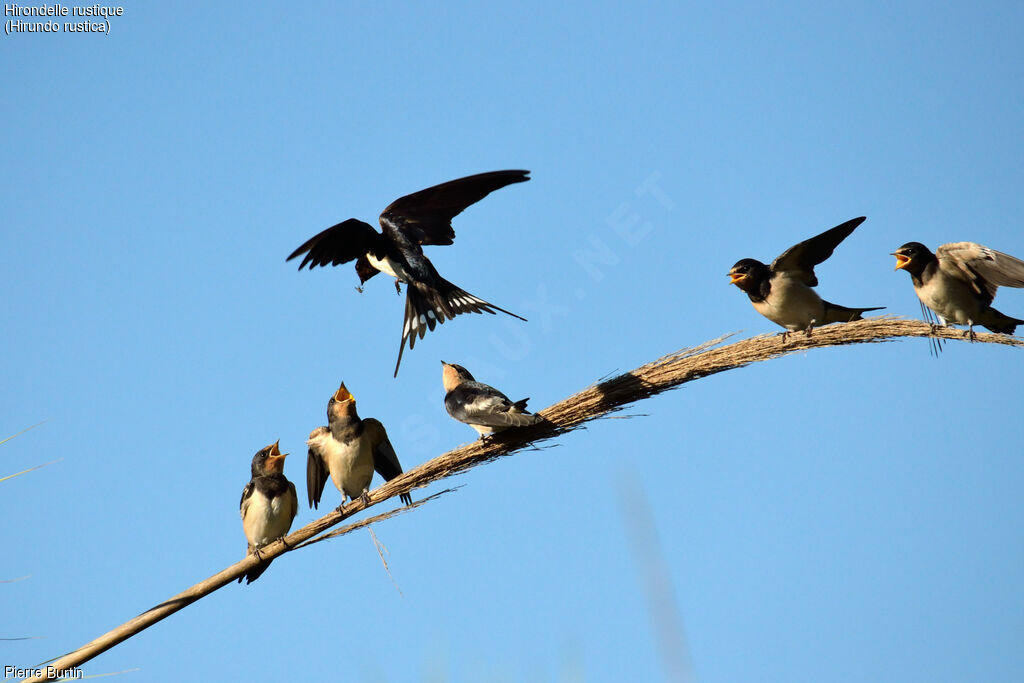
x: 348, y: 451
x: 409, y: 223
x: 482, y: 407
x: 959, y: 281
x: 782, y: 291
x: 269, y: 505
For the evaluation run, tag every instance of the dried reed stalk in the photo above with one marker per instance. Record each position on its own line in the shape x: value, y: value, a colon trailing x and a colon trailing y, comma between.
x: 598, y: 400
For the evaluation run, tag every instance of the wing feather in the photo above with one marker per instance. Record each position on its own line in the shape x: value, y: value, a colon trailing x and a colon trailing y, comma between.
x: 385, y: 460
x: 425, y: 217
x: 984, y: 269
x: 316, y: 467
x: 801, y: 258
x: 243, y: 505
x: 341, y: 243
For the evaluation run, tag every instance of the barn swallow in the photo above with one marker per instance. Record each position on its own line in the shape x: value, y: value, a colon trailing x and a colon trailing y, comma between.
x: 482, y: 407
x: 269, y: 505
x: 409, y: 223
x: 959, y: 281
x: 348, y: 451
x: 782, y: 291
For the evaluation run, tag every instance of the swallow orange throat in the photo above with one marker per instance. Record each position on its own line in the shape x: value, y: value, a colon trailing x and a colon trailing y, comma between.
x: 275, y: 463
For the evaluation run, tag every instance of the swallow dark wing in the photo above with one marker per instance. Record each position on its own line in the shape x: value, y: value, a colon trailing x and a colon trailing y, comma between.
x: 293, y: 499
x: 316, y: 466
x: 984, y: 269
x: 801, y: 258
x: 478, y: 404
x: 341, y: 243
x: 385, y: 460
x: 243, y: 505
x: 425, y: 217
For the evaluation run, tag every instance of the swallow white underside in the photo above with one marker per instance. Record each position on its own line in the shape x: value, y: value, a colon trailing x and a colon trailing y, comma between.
x: 350, y: 464
x: 388, y: 266
x: 791, y: 304
x: 265, y: 521
x: 950, y: 299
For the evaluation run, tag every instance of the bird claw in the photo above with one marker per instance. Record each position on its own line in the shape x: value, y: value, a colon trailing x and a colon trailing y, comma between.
x: 398, y: 287
x: 785, y: 336
x: 256, y: 552
x: 359, y: 289
x: 807, y: 332
x: 365, y: 497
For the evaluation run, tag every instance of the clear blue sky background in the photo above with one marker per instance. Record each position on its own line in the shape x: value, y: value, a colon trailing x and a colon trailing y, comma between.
x: 842, y: 515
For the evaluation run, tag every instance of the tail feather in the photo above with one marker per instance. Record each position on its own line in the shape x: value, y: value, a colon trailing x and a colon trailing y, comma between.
x: 841, y: 314
x: 427, y: 307
x: 934, y: 343
x: 255, y: 572
x: 999, y: 323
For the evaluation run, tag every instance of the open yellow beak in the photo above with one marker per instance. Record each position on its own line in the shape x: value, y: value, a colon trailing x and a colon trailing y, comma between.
x: 275, y: 461
x: 343, y: 394
x: 735, y: 277
x: 901, y: 261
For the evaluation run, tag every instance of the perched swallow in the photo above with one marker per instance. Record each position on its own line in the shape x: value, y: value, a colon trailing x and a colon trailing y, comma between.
x: 782, y: 291
x: 408, y: 223
x: 959, y: 281
x: 269, y: 505
x: 348, y: 451
x: 482, y: 407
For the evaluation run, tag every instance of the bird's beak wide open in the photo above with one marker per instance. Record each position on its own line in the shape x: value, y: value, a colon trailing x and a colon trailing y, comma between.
x: 275, y: 461
x: 343, y: 394
x: 901, y: 260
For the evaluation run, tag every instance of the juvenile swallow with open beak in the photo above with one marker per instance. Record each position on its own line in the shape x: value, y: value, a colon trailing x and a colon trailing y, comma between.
x: 782, y: 292
x: 269, y: 505
x: 482, y: 407
x: 348, y: 451
x: 409, y: 223
x: 959, y: 281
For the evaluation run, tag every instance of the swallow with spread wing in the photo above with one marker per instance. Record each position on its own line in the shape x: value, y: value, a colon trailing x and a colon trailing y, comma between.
x: 782, y: 292
x: 482, y: 407
x: 348, y: 451
x: 959, y: 281
x: 269, y: 505
x: 409, y: 223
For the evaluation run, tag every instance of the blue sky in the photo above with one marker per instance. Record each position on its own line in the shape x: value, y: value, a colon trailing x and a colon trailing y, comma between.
x: 844, y: 514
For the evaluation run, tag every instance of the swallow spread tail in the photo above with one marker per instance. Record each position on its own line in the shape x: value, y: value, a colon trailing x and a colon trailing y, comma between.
x: 348, y: 451
x: 782, y: 292
x: 268, y: 507
x: 409, y: 223
x: 482, y: 407
x: 959, y: 281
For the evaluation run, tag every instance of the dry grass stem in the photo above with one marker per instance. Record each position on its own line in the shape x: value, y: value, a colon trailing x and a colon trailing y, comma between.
x: 599, y: 400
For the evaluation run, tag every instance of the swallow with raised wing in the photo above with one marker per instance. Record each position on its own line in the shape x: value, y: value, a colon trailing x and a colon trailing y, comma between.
x: 959, y: 281
x: 482, y: 407
x: 409, y: 223
x: 269, y: 505
x: 782, y: 291
x: 348, y: 451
